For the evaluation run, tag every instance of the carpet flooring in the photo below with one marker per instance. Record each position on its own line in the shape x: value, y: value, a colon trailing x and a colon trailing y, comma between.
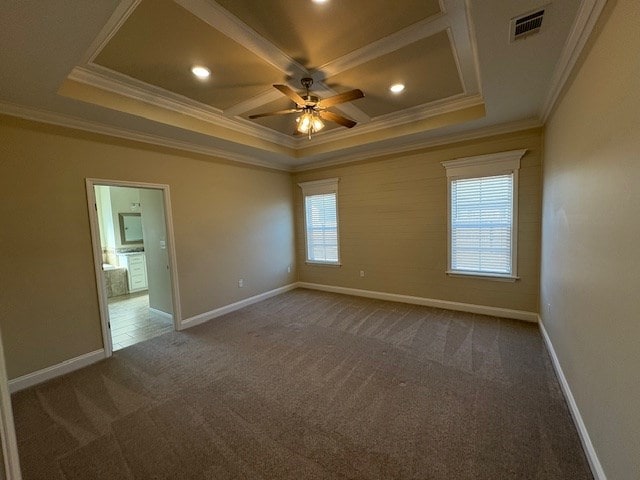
x: 310, y: 385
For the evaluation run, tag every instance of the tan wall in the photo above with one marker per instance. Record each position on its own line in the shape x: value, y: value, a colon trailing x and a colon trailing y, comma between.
x: 393, y: 225
x: 230, y: 222
x: 591, y: 238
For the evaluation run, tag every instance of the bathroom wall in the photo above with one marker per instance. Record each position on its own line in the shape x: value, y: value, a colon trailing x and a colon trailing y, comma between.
x: 123, y: 200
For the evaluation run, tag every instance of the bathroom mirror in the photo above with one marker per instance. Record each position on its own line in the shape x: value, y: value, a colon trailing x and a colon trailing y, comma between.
x: 130, y: 228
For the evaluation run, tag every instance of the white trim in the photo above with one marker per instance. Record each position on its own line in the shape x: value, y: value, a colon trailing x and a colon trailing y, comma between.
x: 464, y: 47
x: 590, y: 451
x: 210, y: 315
x: 122, y: 12
x: 62, y: 368
x: 66, y: 121
x: 586, y: 19
x: 427, y: 302
x: 403, y: 117
x: 231, y: 26
x: 120, y: 84
x: 160, y: 313
x: 511, y: 127
x: 97, y: 251
x: 483, y: 165
x: 96, y: 244
x: 453, y: 17
x: 326, y: 185
x: 11, y: 467
x: 484, y: 275
x: 320, y: 187
x: 499, y: 163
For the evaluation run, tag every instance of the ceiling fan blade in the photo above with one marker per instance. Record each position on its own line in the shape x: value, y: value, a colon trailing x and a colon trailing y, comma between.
x: 292, y: 94
x: 279, y: 112
x: 334, y: 117
x: 341, y: 98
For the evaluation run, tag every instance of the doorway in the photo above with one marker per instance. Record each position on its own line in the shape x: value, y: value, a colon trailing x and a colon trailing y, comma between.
x: 134, y: 257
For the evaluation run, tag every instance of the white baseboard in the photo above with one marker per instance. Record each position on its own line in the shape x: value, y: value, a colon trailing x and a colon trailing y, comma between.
x: 592, y: 457
x: 428, y: 302
x: 30, y: 379
x: 205, y: 317
x: 161, y: 313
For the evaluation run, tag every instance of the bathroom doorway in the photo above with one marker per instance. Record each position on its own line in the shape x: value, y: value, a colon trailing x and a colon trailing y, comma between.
x: 132, y: 239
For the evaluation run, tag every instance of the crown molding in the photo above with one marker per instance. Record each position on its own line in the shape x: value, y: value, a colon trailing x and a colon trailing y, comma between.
x: 108, y: 80
x: 75, y: 123
x: 452, y: 18
x: 583, y: 25
x: 122, y: 12
x: 419, y: 112
x: 408, y: 35
x: 111, y: 81
x: 67, y: 121
x: 254, y: 102
x: 501, y: 129
x: 463, y: 44
x: 225, y: 22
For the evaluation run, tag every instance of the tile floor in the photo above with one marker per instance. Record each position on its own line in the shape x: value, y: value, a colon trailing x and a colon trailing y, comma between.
x: 133, y: 322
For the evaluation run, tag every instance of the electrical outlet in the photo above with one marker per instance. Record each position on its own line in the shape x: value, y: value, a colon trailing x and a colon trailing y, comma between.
x: 240, y: 283
x: 362, y: 273
x: 548, y: 309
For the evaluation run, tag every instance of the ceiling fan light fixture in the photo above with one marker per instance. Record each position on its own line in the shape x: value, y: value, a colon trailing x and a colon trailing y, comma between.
x: 309, y: 122
x: 201, y: 72
x: 396, y: 88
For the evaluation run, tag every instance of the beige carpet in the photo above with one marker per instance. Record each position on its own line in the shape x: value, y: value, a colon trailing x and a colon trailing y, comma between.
x: 310, y: 385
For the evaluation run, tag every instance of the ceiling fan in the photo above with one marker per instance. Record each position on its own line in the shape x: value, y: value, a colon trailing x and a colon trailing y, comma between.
x: 314, y: 109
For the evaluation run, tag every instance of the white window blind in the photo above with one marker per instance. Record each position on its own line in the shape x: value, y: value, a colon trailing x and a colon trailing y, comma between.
x: 483, y: 215
x: 482, y: 224
x: 321, y: 221
x: 322, y: 228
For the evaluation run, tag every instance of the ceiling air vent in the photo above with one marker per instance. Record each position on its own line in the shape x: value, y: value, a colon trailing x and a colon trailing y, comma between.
x: 526, y: 25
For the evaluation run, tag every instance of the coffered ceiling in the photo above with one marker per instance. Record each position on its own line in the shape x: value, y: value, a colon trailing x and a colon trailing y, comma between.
x: 126, y: 66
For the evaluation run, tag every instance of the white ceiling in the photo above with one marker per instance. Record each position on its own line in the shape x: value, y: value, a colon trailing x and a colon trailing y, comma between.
x: 45, y: 44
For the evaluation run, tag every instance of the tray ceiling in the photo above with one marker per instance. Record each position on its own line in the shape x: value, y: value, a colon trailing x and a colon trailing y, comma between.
x: 123, y: 67
x: 148, y: 49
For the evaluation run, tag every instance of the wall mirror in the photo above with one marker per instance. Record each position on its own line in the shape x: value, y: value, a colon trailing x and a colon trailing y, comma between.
x: 130, y: 228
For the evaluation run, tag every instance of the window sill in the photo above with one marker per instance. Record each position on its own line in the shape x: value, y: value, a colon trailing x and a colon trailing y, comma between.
x: 485, y: 276
x: 323, y: 264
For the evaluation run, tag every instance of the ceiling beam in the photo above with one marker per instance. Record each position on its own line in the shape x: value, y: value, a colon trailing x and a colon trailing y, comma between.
x: 227, y: 23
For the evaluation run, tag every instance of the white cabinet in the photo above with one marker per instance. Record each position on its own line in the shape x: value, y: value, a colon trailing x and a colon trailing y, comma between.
x: 136, y: 270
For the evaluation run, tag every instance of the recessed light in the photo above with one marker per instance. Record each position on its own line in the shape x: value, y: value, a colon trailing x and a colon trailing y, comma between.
x: 319, y: 1
x: 201, y: 72
x: 396, y: 87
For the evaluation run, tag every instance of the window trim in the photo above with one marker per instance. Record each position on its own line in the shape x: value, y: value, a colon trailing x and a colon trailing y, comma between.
x: 501, y: 163
x: 320, y: 187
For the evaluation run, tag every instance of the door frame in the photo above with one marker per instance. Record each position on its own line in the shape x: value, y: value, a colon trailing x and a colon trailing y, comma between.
x: 97, y: 252
x: 9, y: 446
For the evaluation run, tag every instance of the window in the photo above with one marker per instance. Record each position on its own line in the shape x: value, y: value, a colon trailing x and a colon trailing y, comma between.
x: 483, y: 215
x: 321, y: 221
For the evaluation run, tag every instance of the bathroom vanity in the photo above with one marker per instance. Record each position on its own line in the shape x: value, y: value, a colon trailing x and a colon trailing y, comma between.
x: 136, y: 270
